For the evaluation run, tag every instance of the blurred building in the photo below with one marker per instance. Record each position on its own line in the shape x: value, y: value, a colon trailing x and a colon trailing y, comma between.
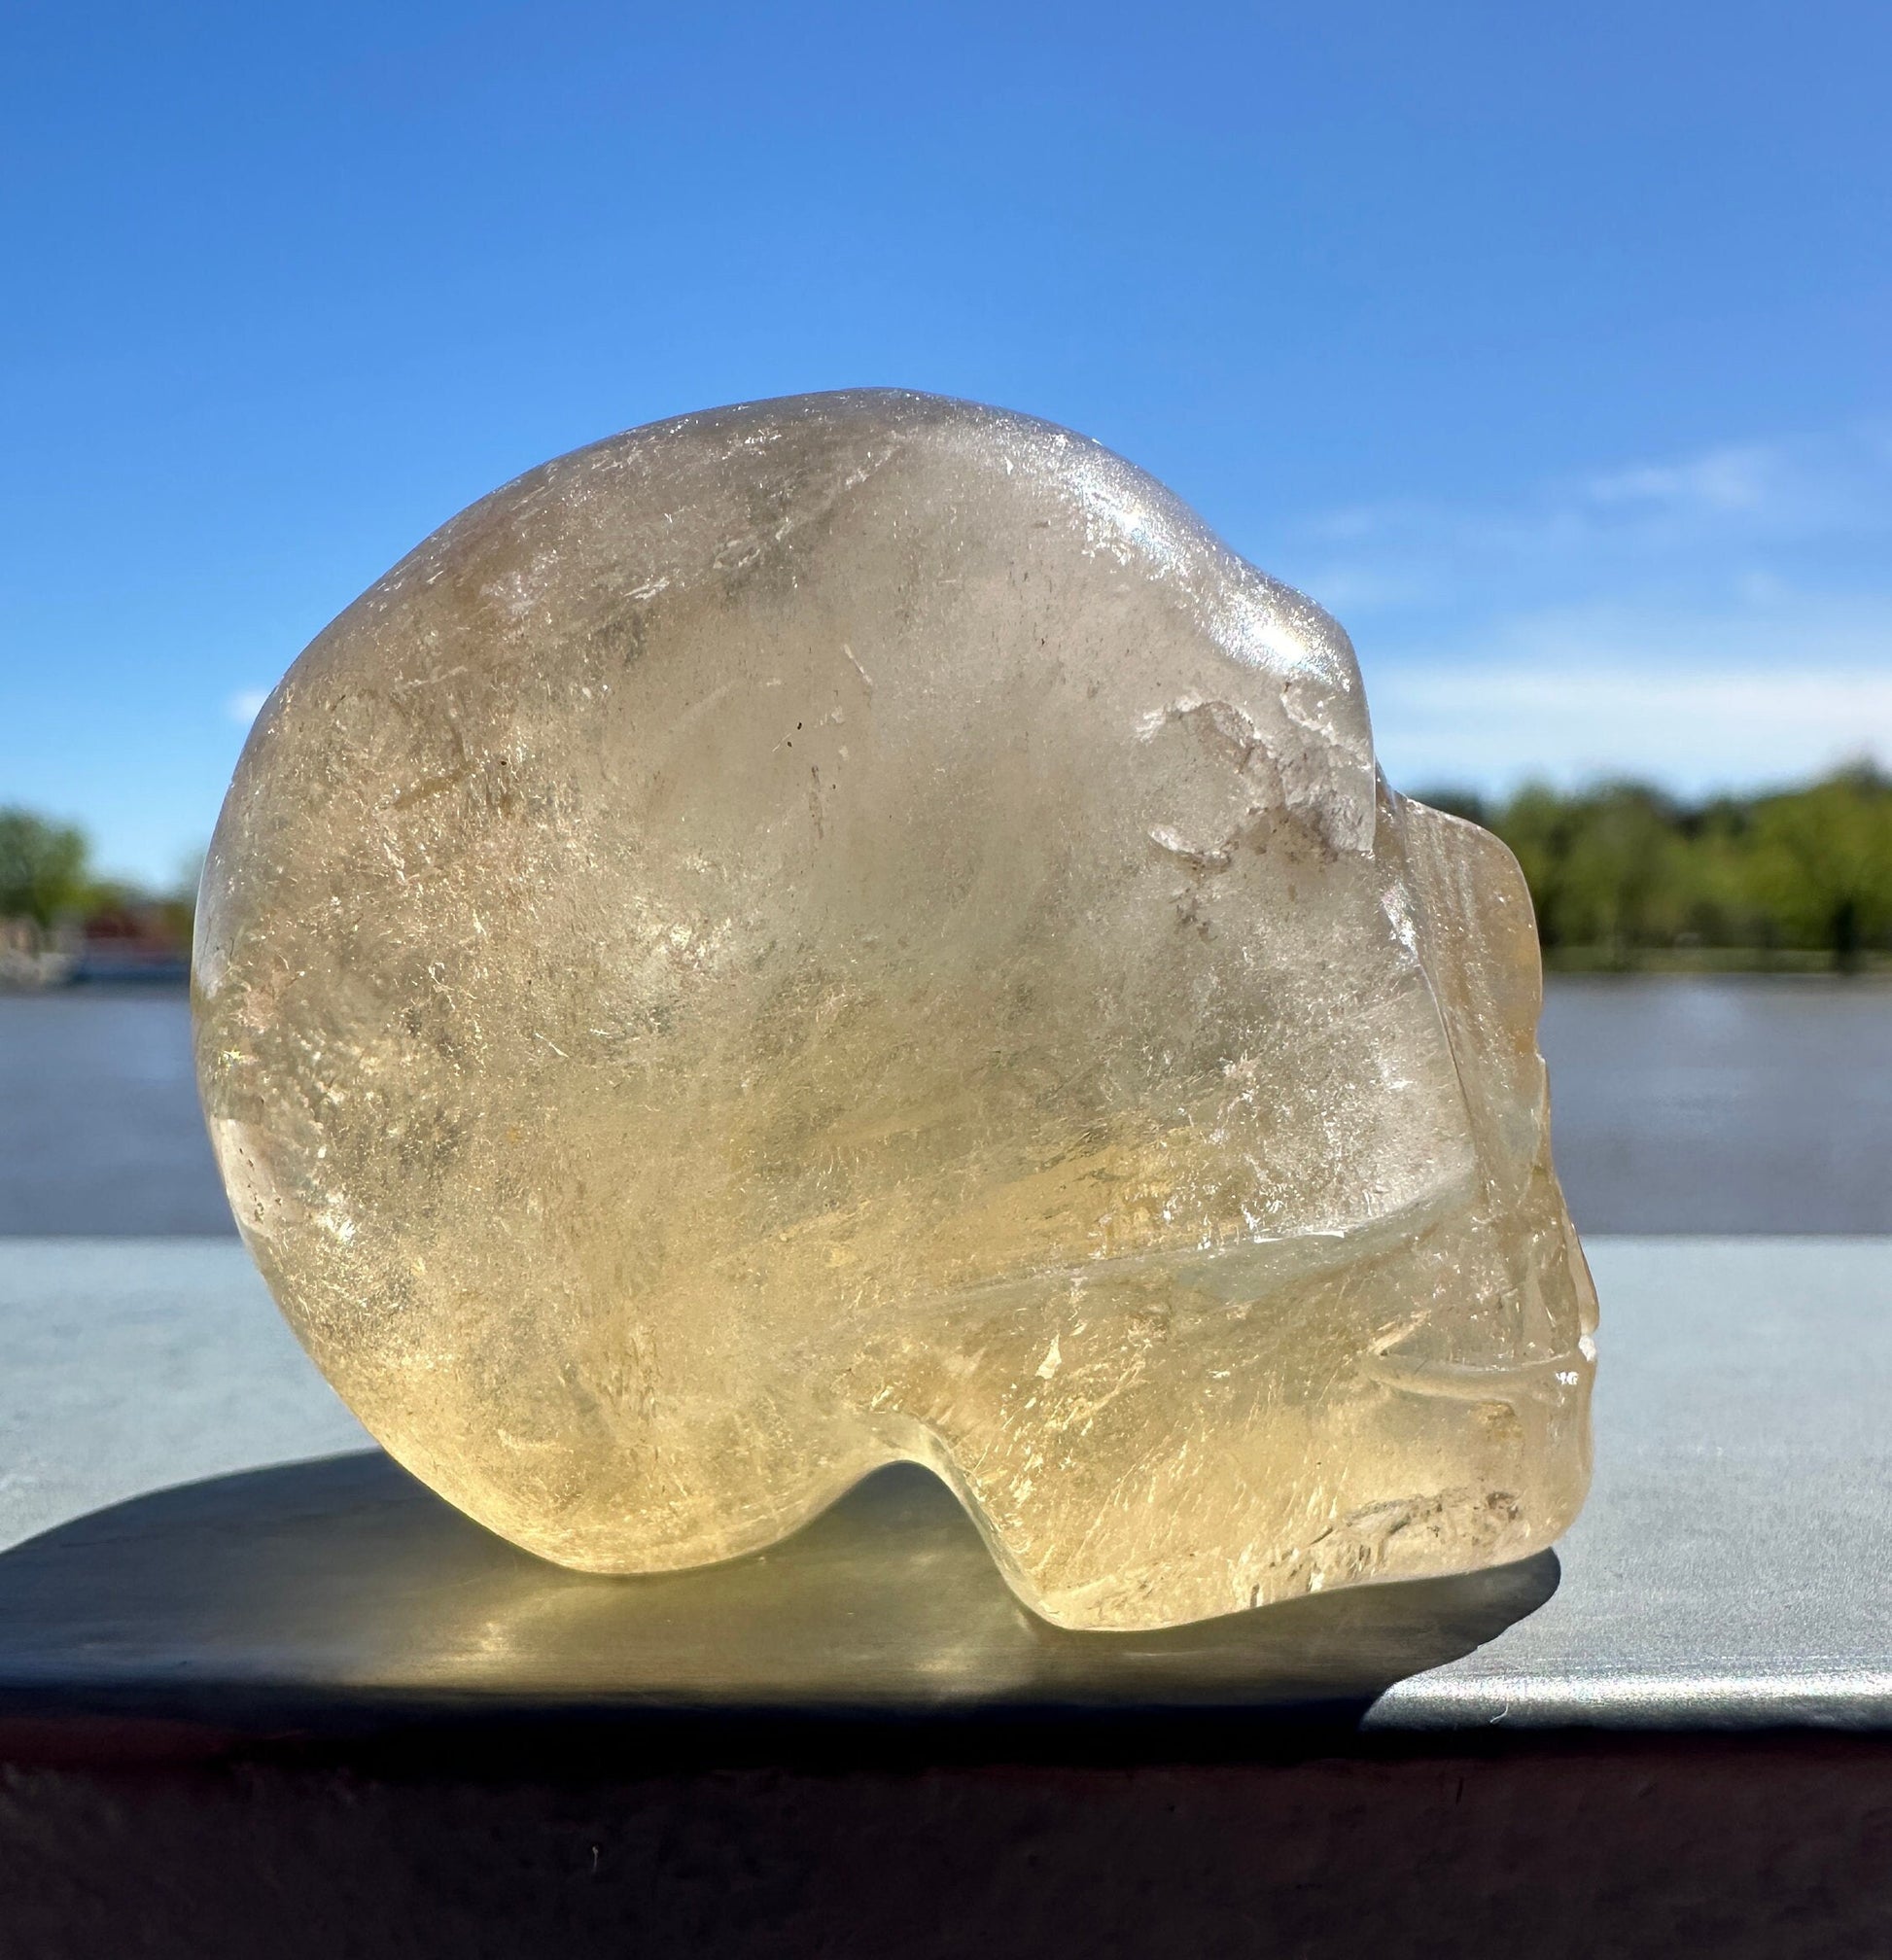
x: 134, y: 940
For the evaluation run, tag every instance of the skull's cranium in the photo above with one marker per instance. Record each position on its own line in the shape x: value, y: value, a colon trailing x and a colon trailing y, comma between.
x: 853, y: 928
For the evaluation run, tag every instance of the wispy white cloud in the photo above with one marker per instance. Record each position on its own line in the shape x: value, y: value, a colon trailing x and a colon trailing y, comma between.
x: 1706, y: 621
x: 1696, y: 702
x: 1494, y: 728
x: 1745, y: 478
x: 1706, y: 522
x: 244, y: 706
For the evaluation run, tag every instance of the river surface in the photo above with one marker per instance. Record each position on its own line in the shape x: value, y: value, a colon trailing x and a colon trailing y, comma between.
x: 1680, y: 1105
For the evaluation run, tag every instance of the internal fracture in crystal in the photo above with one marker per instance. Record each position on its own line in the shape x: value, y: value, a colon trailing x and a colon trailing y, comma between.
x: 854, y: 927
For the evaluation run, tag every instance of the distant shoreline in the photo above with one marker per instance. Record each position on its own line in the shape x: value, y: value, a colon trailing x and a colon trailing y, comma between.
x: 1579, y: 962
x: 116, y: 986
x: 1603, y: 963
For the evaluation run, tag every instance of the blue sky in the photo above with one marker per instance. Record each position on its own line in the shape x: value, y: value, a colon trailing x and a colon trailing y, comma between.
x: 1547, y: 346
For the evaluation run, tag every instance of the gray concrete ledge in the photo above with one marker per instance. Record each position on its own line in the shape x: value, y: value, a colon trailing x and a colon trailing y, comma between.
x: 1732, y: 1570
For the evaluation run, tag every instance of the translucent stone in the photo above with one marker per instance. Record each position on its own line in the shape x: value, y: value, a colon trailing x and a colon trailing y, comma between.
x: 854, y: 927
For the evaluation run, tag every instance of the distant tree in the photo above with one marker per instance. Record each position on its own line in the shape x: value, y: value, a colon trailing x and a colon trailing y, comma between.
x: 1721, y: 902
x: 43, y: 868
x: 178, y: 907
x: 1621, y: 875
x: 1537, y: 823
x: 1620, y: 868
x: 1823, y: 858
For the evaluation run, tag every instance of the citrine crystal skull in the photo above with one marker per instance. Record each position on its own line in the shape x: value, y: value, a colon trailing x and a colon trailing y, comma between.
x: 852, y: 929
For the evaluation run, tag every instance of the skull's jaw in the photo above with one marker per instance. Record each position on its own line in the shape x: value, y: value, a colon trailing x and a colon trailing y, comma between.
x: 1170, y: 1453
x: 1179, y: 1438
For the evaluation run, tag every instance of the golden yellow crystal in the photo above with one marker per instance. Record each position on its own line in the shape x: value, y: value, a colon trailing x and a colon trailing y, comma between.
x: 854, y: 927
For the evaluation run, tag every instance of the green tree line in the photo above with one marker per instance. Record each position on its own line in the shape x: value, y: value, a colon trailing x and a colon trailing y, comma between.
x: 47, y: 879
x: 1622, y: 875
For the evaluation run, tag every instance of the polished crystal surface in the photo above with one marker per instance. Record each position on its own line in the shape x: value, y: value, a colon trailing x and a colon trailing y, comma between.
x: 854, y: 927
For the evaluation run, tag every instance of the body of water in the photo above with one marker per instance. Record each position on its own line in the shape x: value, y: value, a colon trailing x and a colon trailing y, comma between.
x: 99, y: 1126
x: 1717, y: 1106
x: 1737, y: 1104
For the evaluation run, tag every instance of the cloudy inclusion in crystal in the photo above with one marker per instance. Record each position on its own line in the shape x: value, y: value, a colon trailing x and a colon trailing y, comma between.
x: 853, y: 928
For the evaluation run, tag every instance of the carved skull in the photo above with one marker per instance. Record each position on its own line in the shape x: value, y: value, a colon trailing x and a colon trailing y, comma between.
x: 853, y: 928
